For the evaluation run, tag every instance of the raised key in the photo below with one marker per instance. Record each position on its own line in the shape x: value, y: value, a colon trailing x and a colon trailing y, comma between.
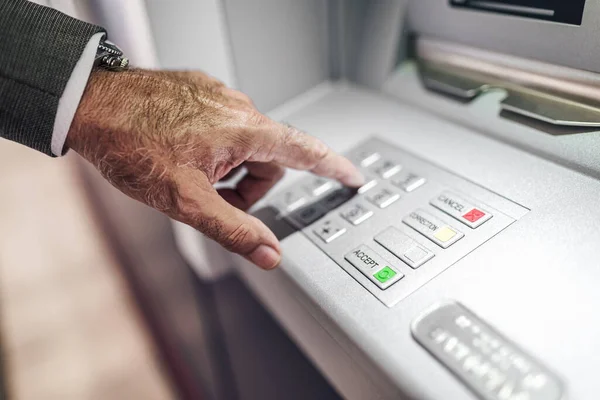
x: 373, y: 266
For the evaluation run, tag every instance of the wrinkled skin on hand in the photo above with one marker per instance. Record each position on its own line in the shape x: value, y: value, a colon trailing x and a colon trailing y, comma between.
x: 165, y: 138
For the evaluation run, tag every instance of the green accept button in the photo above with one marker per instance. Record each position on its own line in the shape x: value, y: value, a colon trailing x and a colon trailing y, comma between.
x: 385, y: 274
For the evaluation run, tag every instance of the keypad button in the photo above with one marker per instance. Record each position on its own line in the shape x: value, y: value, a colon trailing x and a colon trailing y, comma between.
x: 383, y: 197
x: 384, y: 275
x: 338, y: 197
x: 461, y: 209
x: 386, y: 168
x: 373, y: 266
x: 404, y: 247
x: 416, y: 256
x: 364, y: 158
x: 370, y: 183
x: 433, y: 229
x: 309, y: 214
x: 292, y: 200
x: 319, y: 186
x: 408, y: 182
x: 356, y: 214
x: 329, y: 230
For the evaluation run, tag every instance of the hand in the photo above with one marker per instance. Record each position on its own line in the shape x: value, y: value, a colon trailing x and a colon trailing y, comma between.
x: 165, y: 138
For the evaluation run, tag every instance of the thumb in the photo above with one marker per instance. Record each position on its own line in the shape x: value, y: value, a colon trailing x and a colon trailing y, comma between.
x: 232, y: 228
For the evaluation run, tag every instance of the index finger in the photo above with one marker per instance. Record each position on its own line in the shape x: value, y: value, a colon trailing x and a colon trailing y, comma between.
x: 295, y: 149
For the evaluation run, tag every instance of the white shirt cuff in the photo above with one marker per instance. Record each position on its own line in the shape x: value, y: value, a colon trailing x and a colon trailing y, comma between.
x: 69, y: 101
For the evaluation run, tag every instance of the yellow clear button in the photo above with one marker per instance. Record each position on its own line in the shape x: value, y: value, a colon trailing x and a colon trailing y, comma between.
x: 445, y: 234
x: 433, y: 228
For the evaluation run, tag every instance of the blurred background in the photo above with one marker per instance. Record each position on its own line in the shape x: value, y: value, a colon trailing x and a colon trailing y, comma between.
x: 96, y: 300
x: 70, y: 327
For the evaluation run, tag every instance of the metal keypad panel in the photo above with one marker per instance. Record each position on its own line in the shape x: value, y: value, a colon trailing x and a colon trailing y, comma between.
x: 410, y: 221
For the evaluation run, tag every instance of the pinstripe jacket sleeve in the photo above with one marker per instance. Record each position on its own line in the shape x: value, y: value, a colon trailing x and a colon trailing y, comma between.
x: 39, y: 48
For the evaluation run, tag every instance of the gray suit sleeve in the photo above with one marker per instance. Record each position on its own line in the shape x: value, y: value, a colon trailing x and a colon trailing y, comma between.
x: 39, y: 48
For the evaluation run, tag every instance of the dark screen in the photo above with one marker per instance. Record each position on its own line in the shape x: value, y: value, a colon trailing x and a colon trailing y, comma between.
x: 565, y: 11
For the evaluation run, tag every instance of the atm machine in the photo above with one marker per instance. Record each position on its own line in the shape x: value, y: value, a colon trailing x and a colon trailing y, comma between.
x: 467, y: 266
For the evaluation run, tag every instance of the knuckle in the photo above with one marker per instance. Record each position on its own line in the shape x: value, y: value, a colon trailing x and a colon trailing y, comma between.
x: 310, y: 150
x: 257, y: 119
x: 245, y: 98
x: 293, y: 138
x: 320, y: 150
x: 317, y: 152
x: 242, y: 147
x: 292, y: 134
x: 289, y: 136
x: 237, y: 239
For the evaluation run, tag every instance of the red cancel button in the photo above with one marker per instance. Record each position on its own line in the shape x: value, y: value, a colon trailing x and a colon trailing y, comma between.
x: 474, y: 215
x: 460, y: 209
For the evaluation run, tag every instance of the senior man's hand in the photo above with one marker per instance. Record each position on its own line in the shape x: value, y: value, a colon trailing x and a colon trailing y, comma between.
x: 165, y: 138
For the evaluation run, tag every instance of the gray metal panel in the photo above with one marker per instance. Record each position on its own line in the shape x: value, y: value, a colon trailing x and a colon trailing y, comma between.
x: 381, y: 43
x: 574, y: 46
x: 366, y: 39
x: 191, y: 34
x: 280, y: 47
x: 536, y: 282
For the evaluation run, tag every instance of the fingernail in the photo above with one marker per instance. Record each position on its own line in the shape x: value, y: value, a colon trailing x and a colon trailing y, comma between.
x: 265, y: 257
x: 355, y: 180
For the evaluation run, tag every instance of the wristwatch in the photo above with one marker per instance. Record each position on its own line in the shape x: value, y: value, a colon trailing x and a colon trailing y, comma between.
x: 110, y: 56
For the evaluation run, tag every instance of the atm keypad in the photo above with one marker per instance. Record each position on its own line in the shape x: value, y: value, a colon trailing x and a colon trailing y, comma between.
x: 433, y: 228
x: 404, y: 247
x: 411, y: 220
x: 374, y: 266
x: 356, y: 214
x: 292, y: 200
x: 318, y: 185
x: 408, y: 181
x: 383, y: 197
x: 385, y: 169
x: 329, y: 230
x: 366, y: 158
x: 309, y: 214
x: 337, y: 198
x: 370, y: 183
x: 469, y: 214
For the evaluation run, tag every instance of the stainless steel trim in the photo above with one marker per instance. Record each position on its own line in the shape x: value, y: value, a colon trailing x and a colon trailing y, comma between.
x: 553, y: 94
